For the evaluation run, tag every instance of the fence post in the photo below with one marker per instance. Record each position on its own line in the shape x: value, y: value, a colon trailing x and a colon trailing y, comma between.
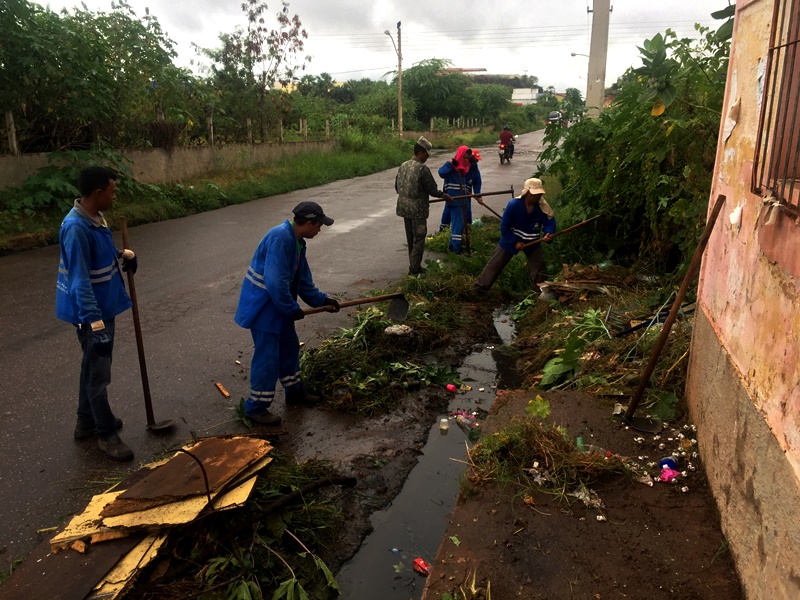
x: 12, y: 134
x: 305, y: 130
x: 327, y: 130
x: 280, y: 131
x: 249, y: 130
x: 210, y: 126
x: 392, y: 123
x: 431, y: 129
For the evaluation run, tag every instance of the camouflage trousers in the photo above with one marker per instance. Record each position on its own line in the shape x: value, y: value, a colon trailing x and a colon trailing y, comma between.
x: 416, y: 232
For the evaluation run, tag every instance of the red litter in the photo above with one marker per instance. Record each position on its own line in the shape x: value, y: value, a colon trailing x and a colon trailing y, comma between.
x: 420, y: 566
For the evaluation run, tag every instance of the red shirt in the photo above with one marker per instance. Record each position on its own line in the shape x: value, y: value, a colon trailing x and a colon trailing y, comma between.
x: 506, y: 137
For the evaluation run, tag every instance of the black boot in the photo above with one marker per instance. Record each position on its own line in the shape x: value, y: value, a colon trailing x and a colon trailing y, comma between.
x: 297, y: 395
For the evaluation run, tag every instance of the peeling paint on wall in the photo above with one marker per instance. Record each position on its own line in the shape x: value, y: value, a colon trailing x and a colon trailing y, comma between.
x: 761, y: 69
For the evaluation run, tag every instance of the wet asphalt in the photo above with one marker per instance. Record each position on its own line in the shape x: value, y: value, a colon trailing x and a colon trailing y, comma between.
x: 187, y: 285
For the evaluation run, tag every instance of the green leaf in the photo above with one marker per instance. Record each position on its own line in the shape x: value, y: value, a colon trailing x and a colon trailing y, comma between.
x: 725, y: 13
x: 455, y: 540
x: 725, y: 31
x: 538, y: 407
x: 668, y: 94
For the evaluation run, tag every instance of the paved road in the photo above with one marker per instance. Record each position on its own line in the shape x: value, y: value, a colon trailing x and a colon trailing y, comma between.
x: 188, y: 282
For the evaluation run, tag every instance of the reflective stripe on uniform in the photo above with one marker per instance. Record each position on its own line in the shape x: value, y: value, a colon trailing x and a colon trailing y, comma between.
x: 255, y: 278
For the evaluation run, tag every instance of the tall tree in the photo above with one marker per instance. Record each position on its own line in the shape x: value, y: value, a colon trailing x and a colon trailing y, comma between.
x: 252, y: 60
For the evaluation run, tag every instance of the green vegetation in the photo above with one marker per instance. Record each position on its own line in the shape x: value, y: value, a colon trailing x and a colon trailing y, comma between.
x: 36, y: 209
x: 534, y: 454
x: 269, y: 549
x: 647, y: 161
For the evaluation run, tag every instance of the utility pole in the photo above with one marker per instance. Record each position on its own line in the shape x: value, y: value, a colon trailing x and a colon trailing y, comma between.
x: 399, y: 81
x: 598, y: 53
x: 399, y: 51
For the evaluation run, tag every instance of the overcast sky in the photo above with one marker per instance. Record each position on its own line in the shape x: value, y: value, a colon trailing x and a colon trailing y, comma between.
x: 346, y: 37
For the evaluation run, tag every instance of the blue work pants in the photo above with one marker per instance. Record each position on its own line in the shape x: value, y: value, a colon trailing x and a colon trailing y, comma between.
x: 276, y: 356
x: 93, y: 408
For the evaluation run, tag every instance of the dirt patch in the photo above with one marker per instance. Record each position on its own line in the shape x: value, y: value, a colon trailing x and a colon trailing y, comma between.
x: 652, y: 542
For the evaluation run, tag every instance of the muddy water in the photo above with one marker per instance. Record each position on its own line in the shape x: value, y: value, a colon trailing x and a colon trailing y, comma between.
x: 413, y: 525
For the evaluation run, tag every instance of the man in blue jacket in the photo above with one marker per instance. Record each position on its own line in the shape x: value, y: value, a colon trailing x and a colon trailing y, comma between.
x: 525, y: 219
x: 268, y: 307
x: 90, y: 293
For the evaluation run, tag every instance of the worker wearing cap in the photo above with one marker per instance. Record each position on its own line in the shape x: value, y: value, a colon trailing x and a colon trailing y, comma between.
x: 461, y: 177
x: 525, y: 219
x: 90, y: 293
x: 414, y: 185
x: 277, y: 275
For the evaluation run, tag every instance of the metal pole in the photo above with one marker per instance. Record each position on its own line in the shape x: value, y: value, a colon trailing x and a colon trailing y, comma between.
x: 399, y: 81
x: 676, y: 306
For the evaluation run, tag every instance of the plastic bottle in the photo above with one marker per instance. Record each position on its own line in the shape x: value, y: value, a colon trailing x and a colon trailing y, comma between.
x: 444, y: 425
x: 580, y: 444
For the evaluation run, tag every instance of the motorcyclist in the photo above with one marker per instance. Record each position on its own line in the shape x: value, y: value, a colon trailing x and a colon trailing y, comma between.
x: 507, y: 139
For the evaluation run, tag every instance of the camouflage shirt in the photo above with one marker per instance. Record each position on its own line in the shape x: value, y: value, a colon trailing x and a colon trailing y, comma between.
x: 413, y: 184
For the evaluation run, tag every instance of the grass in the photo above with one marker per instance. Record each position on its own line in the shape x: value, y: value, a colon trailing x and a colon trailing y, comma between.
x: 535, y: 454
x: 164, y: 202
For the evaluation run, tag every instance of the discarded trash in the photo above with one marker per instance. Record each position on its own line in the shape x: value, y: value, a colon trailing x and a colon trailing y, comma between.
x: 668, y: 475
x: 238, y: 362
x: 421, y: 567
x: 222, y: 389
x: 398, y: 330
x: 668, y: 463
x: 477, y: 223
x: 466, y: 388
x: 685, y: 489
x: 580, y: 444
x: 646, y: 480
x: 601, y: 517
x: 588, y: 497
x: 451, y: 387
x: 444, y: 425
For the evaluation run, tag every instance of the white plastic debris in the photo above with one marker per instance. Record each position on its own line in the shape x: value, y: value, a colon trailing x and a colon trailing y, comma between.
x: 397, y: 330
x: 685, y: 489
x: 481, y: 389
x: 646, y: 480
x: 601, y: 517
x: 662, y: 446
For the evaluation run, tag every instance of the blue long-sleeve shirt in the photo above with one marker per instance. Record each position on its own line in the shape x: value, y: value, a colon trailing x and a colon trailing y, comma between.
x: 453, y: 180
x: 518, y: 225
x: 89, y: 286
x: 277, y: 274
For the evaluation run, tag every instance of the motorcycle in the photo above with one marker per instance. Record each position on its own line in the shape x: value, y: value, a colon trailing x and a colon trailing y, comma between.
x: 505, y: 153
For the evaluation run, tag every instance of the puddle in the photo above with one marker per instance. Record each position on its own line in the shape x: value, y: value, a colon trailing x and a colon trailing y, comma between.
x: 413, y: 525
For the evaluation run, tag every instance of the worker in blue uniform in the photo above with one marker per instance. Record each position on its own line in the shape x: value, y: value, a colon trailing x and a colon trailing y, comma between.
x: 277, y: 275
x: 461, y: 177
x: 90, y: 293
x: 525, y: 219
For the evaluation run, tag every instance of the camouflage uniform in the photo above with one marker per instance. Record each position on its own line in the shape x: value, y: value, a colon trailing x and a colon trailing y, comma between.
x: 414, y: 184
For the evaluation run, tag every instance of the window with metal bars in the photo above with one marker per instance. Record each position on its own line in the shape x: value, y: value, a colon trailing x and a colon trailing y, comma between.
x: 776, y: 169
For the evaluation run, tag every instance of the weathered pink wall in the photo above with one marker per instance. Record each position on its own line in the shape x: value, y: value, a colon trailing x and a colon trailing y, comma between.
x: 749, y: 280
x: 743, y: 384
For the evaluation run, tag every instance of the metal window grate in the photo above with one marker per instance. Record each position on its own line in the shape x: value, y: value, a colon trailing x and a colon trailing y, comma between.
x: 776, y: 169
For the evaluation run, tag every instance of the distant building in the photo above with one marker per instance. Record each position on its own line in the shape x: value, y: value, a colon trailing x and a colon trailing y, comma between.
x: 523, y: 96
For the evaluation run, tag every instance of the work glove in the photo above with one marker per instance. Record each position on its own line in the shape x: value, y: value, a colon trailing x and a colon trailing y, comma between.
x: 298, y: 314
x: 332, y: 302
x: 129, y: 261
x: 101, y: 341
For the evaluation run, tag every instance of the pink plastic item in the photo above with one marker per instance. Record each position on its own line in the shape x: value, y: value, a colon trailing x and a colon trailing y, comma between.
x: 668, y: 475
x: 451, y: 387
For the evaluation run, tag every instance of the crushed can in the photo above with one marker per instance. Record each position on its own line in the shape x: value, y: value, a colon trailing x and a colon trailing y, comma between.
x: 421, y: 567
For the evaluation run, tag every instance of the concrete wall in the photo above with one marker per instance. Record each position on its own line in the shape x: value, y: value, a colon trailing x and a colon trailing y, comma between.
x: 743, y: 388
x: 156, y: 165
x: 754, y: 485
